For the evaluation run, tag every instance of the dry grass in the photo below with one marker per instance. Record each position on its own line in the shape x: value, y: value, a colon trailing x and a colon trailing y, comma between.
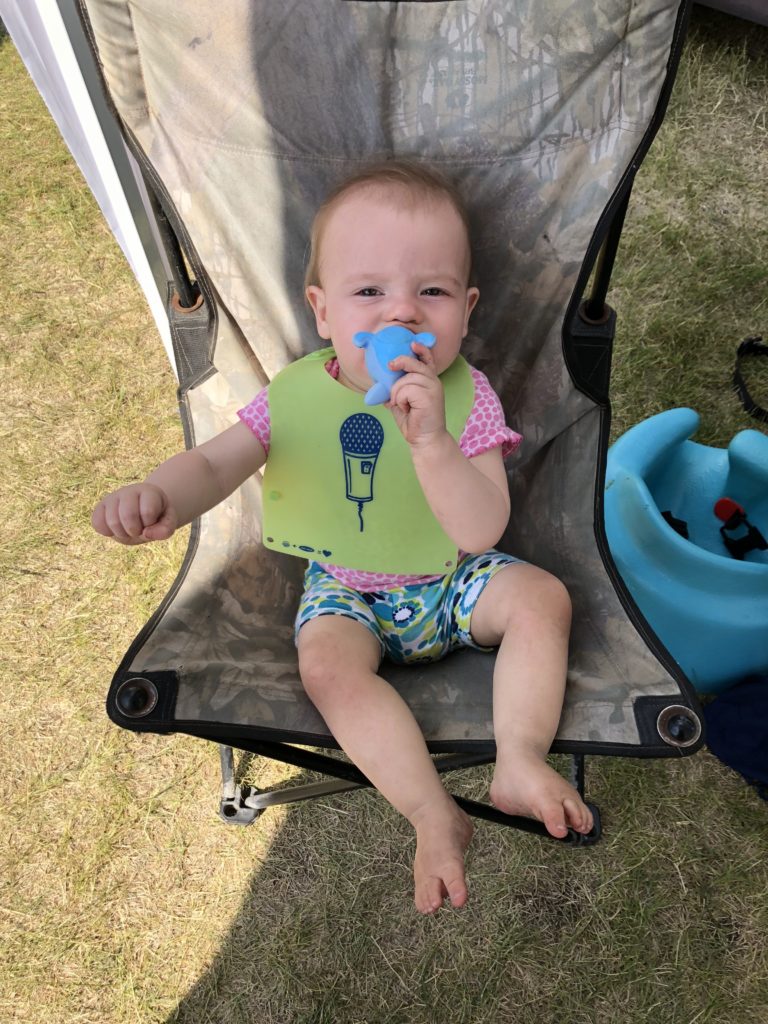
x: 124, y: 898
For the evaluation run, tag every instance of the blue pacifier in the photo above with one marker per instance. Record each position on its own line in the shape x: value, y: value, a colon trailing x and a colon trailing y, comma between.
x: 380, y: 348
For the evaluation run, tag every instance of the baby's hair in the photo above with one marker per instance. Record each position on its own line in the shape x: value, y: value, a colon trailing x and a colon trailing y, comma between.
x: 415, y: 182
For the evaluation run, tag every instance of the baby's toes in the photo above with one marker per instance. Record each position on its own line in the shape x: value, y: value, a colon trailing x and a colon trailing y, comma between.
x: 553, y: 816
x: 589, y: 821
x: 456, y: 886
x: 579, y: 815
x: 429, y: 895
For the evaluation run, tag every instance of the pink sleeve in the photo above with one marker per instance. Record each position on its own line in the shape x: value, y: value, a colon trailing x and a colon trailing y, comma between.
x: 486, y: 427
x: 256, y: 416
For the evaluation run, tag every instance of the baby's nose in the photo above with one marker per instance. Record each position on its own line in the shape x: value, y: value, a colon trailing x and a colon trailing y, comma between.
x: 403, y: 310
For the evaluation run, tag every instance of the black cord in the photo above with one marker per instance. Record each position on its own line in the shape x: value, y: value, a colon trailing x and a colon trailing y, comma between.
x: 749, y: 347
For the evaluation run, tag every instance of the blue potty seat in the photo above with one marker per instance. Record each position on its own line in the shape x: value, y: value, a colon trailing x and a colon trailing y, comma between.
x: 708, y: 606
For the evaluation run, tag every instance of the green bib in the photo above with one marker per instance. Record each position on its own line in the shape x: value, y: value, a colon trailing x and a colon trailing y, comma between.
x: 339, y: 484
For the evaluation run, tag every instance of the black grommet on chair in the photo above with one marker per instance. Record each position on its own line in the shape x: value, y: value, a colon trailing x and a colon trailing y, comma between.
x: 678, y: 726
x: 136, y: 697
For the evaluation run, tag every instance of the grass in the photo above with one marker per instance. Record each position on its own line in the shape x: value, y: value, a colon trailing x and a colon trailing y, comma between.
x: 123, y: 897
x: 692, y: 273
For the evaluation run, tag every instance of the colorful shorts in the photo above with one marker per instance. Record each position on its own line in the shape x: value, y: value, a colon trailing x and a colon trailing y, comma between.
x: 421, y: 622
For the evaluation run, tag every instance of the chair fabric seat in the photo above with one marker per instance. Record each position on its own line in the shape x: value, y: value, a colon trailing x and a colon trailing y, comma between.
x: 242, y: 116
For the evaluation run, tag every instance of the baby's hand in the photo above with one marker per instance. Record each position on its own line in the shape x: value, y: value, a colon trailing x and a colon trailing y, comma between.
x: 417, y: 400
x: 135, y: 514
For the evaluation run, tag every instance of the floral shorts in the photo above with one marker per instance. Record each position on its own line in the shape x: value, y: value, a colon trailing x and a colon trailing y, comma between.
x: 421, y: 622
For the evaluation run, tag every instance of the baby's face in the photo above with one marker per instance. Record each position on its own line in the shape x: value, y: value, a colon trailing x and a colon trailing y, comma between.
x: 382, y: 264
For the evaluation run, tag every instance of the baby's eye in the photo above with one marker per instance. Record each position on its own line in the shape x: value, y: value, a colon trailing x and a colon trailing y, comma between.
x: 433, y: 291
x: 367, y: 292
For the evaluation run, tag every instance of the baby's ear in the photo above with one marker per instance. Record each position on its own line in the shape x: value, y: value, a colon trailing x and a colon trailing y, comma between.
x: 316, y: 298
x: 473, y: 294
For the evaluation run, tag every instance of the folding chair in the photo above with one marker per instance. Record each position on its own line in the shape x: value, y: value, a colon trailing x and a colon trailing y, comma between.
x: 242, y: 116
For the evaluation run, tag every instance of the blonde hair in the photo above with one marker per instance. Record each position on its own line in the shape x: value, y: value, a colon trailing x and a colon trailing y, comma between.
x: 413, y: 181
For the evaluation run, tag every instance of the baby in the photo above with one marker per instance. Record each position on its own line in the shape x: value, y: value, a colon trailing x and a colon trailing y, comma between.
x: 390, y: 246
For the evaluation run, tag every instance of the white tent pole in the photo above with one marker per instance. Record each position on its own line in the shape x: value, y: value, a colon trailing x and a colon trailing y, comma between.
x: 48, y: 48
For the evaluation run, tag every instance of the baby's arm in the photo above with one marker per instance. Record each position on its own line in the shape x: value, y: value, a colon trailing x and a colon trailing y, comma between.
x: 469, y: 497
x: 181, y: 489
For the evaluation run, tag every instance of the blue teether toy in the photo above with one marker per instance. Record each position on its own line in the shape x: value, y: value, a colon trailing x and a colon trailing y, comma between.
x: 380, y: 348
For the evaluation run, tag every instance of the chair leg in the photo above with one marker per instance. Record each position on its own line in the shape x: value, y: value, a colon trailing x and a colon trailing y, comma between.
x: 578, y: 763
x: 232, y: 807
x: 241, y: 805
x: 577, y: 773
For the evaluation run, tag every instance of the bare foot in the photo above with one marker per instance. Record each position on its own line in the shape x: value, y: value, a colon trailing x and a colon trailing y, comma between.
x: 525, y: 784
x: 442, y: 836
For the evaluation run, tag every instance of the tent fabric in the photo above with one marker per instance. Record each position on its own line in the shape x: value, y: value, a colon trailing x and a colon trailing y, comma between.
x: 47, y: 49
x: 246, y: 114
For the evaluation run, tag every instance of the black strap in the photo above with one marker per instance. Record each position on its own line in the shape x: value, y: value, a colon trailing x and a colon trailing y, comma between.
x: 749, y: 347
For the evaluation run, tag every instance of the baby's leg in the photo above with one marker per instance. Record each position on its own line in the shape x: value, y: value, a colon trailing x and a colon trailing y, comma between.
x: 528, y: 612
x: 338, y: 659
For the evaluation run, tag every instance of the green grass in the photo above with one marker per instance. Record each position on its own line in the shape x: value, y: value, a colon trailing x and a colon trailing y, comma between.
x: 124, y: 898
x: 692, y: 273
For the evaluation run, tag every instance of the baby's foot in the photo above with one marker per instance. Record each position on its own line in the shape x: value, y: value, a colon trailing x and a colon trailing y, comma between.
x: 442, y: 836
x: 525, y: 784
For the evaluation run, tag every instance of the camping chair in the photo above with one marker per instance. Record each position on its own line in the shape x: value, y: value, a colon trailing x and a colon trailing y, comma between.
x: 241, y: 116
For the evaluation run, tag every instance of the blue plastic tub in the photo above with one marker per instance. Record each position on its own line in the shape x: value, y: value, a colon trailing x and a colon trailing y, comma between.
x: 709, y: 609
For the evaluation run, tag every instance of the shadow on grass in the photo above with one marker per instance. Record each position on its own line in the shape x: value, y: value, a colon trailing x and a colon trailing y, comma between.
x: 327, y: 931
